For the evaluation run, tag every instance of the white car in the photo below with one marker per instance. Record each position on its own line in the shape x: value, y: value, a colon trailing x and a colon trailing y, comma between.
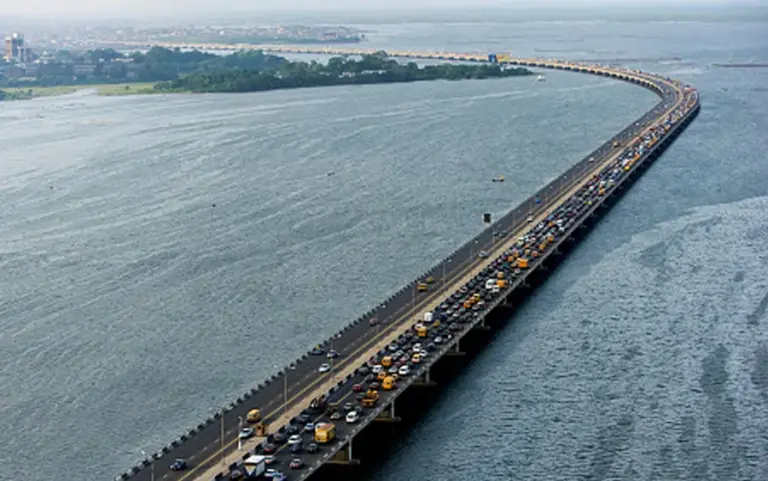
x: 245, y: 433
x: 295, y: 439
x: 530, y: 218
x: 378, y: 368
x: 324, y: 367
x: 423, y: 353
x: 417, y: 347
x: 403, y: 371
x: 352, y: 417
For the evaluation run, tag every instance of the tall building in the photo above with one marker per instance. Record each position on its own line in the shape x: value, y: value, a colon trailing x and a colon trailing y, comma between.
x: 14, y: 48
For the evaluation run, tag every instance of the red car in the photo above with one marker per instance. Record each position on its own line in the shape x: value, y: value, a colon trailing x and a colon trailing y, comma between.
x: 357, y: 387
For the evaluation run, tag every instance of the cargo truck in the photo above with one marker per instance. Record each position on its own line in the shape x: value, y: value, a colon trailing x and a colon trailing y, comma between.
x: 255, y: 465
x: 325, y: 432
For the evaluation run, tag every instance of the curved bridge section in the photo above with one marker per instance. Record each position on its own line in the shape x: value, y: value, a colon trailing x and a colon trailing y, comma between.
x: 488, y: 273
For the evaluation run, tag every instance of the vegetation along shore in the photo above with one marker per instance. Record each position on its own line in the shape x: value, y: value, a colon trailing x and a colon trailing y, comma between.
x: 162, y: 70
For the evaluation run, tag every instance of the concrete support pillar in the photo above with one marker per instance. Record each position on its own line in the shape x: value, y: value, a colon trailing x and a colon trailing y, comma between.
x: 392, y: 409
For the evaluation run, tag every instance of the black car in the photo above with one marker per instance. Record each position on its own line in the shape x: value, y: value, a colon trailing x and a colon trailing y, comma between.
x: 292, y: 429
x: 296, y: 448
x: 179, y: 465
x: 269, y: 448
x: 313, y: 448
x: 279, y: 438
x: 302, y: 419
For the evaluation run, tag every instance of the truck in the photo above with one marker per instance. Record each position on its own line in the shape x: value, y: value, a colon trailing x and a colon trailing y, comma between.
x: 255, y: 465
x: 421, y: 330
x: 325, y: 432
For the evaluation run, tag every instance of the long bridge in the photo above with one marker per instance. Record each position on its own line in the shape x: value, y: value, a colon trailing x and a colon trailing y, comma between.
x: 461, y: 293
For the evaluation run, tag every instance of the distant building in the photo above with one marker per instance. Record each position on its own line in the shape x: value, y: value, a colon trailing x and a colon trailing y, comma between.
x: 84, y: 69
x: 15, y: 49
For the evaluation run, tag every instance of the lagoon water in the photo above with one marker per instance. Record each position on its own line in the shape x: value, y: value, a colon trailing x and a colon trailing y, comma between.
x: 161, y: 255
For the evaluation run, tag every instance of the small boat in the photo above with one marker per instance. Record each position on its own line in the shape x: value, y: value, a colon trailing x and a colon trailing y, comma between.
x: 541, y: 78
x: 498, y: 179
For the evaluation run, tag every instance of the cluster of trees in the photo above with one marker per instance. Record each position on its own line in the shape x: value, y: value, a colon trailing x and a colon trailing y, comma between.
x: 376, y: 68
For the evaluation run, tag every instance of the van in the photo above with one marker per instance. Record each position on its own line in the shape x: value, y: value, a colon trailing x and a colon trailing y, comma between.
x: 428, y: 317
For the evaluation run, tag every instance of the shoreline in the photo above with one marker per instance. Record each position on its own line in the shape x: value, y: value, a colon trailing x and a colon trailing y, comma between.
x: 147, y: 88
x: 109, y: 90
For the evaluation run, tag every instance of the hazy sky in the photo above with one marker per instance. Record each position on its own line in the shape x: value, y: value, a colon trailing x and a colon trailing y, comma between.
x: 152, y: 7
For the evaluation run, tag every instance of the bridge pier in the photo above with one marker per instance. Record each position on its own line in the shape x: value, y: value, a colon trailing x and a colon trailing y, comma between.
x: 424, y: 381
x: 481, y: 326
x: 388, y: 415
x: 455, y: 350
x: 344, y: 457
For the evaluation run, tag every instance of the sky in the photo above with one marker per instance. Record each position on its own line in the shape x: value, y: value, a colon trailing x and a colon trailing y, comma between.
x: 136, y: 8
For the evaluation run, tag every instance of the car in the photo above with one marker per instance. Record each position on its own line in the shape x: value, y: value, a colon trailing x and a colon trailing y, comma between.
x: 246, y: 433
x: 392, y: 370
x: 324, y: 367
x: 335, y: 416
x: 279, y: 438
x: 295, y: 448
x: 373, y: 321
x: 332, y: 354
x: 482, y: 255
x: 313, y: 448
x: 309, y: 428
x: 292, y: 429
x: 403, y: 371
x: 269, y: 448
x: 269, y: 460
x: 348, y: 407
x: 357, y: 387
x: 317, y: 351
x: 296, y: 464
x: 530, y: 218
x: 295, y: 439
x: 393, y: 347
x: 352, y: 417
x: 179, y: 465
x: 302, y: 419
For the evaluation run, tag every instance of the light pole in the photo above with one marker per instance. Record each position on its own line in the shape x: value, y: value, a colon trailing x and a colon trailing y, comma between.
x: 240, y: 428
x: 151, y: 466
x: 285, y: 391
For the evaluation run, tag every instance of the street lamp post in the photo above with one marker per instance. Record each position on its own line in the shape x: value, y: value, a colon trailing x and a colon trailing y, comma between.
x: 240, y: 428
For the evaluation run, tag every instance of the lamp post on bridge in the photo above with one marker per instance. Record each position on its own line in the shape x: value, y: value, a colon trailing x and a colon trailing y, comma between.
x: 239, y: 429
x: 285, y: 391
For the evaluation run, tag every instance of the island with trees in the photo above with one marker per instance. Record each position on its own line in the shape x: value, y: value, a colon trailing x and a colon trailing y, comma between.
x: 162, y: 70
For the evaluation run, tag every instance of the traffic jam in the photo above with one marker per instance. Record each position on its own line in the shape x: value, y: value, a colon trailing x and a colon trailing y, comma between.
x: 329, y: 420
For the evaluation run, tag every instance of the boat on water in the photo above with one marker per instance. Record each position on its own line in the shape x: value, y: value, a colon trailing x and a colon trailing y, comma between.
x: 541, y: 78
x: 498, y: 179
